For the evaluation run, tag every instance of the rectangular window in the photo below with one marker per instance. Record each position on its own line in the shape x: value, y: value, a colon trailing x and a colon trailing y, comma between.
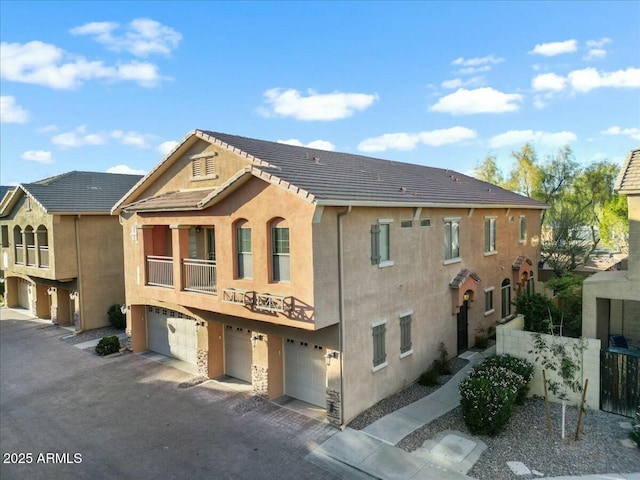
x: 522, y: 227
x: 280, y: 254
x: 381, y: 244
x: 451, y: 239
x: 488, y: 301
x: 506, y: 299
x: 5, y: 236
x: 245, y: 256
x: 406, y: 223
x: 379, y: 332
x: 425, y: 222
x: 489, y: 235
x: 405, y: 334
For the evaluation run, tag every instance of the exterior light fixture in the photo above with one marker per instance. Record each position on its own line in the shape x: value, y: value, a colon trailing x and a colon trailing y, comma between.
x: 123, y: 309
x: 329, y: 356
x: 51, y: 291
x: 73, y: 295
x: 254, y: 340
x: 466, y: 296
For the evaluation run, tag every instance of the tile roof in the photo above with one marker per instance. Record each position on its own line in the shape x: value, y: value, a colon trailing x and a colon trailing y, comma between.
x: 343, y: 177
x: 80, y: 192
x: 628, y: 180
x: 462, y: 276
x: 179, y: 200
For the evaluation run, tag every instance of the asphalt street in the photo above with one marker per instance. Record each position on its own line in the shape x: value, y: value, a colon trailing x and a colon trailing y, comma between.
x: 68, y: 414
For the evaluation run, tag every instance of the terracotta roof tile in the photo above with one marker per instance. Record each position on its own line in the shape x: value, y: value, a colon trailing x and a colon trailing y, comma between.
x: 628, y: 180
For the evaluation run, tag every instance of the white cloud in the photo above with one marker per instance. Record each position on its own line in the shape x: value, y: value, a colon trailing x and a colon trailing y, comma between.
x: 596, y: 49
x: 589, y: 78
x: 408, y: 141
x: 549, y: 81
x: 317, y: 144
x: 142, y: 37
x: 555, y: 48
x: 48, y: 129
x: 480, y: 100
x: 545, y: 139
x: 11, y: 112
x: 44, y: 64
x: 165, y: 147
x: 80, y: 137
x: 477, y: 61
x: 459, y: 82
x: 126, y: 170
x: 38, y: 156
x: 315, y: 106
x: 630, y: 132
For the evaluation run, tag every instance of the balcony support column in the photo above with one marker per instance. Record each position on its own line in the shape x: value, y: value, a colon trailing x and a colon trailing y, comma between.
x: 180, y: 243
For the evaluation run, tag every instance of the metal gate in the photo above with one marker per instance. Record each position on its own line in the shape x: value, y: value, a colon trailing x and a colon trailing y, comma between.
x: 619, y: 383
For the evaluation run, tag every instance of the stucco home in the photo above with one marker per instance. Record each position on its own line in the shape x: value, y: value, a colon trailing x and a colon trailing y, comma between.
x: 611, y: 300
x: 328, y: 277
x: 62, y: 250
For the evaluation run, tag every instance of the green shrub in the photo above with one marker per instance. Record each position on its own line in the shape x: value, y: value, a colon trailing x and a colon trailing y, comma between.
x: 108, y: 345
x: 431, y: 377
x: 116, y: 317
x: 521, y: 367
x: 538, y: 311
x: 442, y: 362
x: 487, y: 400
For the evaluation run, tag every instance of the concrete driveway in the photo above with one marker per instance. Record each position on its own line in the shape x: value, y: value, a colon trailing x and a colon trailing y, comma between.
x: 124, y: 417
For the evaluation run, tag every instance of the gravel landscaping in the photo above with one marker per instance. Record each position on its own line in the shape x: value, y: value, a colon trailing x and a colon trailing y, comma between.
x: 603, y: 446
x: 90, y: 335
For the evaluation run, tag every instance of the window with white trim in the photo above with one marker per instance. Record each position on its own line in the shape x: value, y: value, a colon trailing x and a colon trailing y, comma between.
x: 405, y: 334
x: 522, y: 229
x: 381, y: 243
x: 379, y: 332
x: 490, y: 235
x: 243, y: 250
x: 506, y: 298
x: 281, y: 270
x: 451, y: 239
x: 488, y: 301
x: 425, y: 222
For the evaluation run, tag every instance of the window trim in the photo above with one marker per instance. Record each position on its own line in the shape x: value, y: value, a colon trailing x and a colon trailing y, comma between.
x: 522, y: 232
x: 376, y: 256
x: 448, y: 247
x: 281, y: 224
x: 493, y: 308
x: 402, y: 315
x: 427, y: 220
x: 385, y: 363
x: 492, y: 220
x: 243, y: 225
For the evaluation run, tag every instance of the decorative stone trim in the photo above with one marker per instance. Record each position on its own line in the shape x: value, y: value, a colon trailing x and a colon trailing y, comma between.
x: 54, y: 314
x: 127, y: 342
x: 260, y: 381
x: 203, y: 362
x: 334, y: 407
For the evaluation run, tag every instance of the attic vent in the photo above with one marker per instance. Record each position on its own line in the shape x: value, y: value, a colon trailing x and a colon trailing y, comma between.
x: 203, y: 167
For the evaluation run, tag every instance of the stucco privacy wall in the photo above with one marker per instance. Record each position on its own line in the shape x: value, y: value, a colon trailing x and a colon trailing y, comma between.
x: 510, y: 340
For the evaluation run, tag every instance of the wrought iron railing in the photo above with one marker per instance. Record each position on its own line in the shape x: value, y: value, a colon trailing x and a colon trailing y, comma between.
x: 159, y: 271
x: 199, y: 275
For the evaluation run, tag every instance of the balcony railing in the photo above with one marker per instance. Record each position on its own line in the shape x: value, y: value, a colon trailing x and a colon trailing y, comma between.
x: 44, y: 256
x: 31, y: 255
x: 159, y: 271
x: 199, y: 275
x: 19, y: 254
x: 272, y: 303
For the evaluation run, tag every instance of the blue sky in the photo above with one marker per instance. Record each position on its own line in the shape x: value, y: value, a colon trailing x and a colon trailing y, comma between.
x: 112, y: 85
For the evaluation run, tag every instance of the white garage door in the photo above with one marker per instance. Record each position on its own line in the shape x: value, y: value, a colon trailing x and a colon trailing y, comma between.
x: 172, y: 334
x: 237, y: 352
x: 23, y: 294
x: 305, y: 372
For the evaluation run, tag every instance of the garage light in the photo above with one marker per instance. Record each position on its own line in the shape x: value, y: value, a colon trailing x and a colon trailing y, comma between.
x: 51, y: 291
x: 255, y: 338
x: 329, y: 356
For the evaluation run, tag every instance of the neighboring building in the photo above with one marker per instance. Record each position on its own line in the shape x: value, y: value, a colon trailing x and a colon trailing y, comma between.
x: 62, y: 250
x: 611, y: 300
x: 329, y: 277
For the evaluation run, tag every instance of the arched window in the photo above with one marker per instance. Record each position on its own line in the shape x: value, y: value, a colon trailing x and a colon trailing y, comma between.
x: 506, y: 298
x: 18, y: 244
x: 43, y: 246
x: 244, y: 251
x: 530, y: 285
x: 30, y: 243
x: 280, y: 260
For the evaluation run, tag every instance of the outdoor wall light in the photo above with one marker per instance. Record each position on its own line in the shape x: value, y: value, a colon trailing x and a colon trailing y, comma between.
x: 73, y: 295
x: 255, y: 338
x: 329, y: 356
x: 51, y: 291
x: 123, y: 309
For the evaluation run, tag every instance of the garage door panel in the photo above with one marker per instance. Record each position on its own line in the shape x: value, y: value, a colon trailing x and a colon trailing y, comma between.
x: 305, y: 372
x: 172, y: 336
x: 237, y: 352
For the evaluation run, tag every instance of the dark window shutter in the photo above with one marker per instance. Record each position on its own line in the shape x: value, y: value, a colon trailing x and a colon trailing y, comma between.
x: 375, y: 244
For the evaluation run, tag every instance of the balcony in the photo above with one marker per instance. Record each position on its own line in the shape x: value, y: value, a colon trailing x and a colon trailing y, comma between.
x: 199, y: 275
x: 19, y: 254
x: 273, y: 303
x: 237, y: 296
x: 44, y: 256
x: 159, y: 271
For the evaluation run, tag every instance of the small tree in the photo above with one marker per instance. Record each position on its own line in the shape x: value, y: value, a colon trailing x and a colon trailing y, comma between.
x: 566, y: 361
x: 568, y: 291
x: 539, y: 312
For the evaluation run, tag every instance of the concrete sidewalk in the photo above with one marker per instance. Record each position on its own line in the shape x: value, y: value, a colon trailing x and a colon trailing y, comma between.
x: 371, y: 452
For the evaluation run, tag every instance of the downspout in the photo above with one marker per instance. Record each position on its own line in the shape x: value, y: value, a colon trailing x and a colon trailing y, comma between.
x: 79, y: 305
x: 341, y: 330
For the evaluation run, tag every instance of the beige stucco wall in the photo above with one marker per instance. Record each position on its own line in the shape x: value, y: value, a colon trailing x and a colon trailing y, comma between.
x: 518, y: 343
x: 417, y: 282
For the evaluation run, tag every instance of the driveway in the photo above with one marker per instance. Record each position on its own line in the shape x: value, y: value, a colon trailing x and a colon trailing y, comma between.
x: 70, y: 414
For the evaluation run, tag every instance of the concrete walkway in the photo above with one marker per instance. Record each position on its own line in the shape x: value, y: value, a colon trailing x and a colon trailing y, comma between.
x: 371, y: 452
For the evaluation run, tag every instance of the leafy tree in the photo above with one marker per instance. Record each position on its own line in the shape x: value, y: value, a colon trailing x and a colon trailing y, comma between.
x: 568, y: 291
x: 488, y: 171
x: 614, y: 223
x: 526, y: 178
